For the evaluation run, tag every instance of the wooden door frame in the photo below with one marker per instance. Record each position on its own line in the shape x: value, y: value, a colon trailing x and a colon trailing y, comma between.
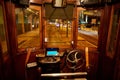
x: 117, y: 51
x: 109, y: 53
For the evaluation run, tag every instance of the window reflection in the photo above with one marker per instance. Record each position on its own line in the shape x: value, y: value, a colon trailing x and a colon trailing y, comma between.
x: 2, y: 32
x: 27, y: 21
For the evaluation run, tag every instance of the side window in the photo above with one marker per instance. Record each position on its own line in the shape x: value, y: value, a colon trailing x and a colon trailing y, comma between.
x: 88, y: 25
x: 28, y: 23
x: 3, y: 40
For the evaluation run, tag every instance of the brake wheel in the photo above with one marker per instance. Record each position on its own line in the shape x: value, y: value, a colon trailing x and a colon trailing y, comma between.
x: 75, y: 59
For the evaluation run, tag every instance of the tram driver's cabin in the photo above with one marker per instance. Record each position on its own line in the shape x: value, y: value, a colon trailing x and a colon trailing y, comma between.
x: 59, y: 40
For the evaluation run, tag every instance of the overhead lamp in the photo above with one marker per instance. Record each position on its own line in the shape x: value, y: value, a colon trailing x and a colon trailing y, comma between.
x: 59, y: 3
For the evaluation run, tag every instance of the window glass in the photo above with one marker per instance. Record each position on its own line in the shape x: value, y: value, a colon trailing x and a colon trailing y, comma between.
x: 3, y: 40
x: 88, y: 24
x: 28, y: 24
x: 58, y: 33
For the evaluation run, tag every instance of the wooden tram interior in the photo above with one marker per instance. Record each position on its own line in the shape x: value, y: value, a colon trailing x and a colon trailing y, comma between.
x: 64, y: 59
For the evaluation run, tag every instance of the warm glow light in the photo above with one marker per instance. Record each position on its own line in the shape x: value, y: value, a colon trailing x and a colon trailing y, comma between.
x: 87, y: 56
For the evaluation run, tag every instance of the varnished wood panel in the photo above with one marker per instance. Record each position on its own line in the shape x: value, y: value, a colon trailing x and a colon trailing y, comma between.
x: 11, y: 29
x: 117, y: 63
x: 117, y: 55
x: 106, y: 65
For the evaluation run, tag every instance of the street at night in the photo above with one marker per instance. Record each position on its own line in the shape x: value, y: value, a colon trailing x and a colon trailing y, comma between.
x: 57, y: 36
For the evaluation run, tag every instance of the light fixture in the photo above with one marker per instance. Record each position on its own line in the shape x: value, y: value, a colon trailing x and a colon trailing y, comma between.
x: 59, y: 3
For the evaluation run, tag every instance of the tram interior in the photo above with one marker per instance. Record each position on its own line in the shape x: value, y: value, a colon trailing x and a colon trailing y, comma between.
x: 59, y: 40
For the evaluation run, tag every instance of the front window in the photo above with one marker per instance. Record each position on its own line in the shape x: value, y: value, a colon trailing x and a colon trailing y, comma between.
x: 58, y: 33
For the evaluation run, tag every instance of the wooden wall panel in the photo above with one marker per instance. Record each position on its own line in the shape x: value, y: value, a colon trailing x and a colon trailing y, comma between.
x: 117, y: 64
x: 117, y: 55
x: 11, y: 29
x: 117, y: 60
x: 105, y: 65
x: 108, y: 68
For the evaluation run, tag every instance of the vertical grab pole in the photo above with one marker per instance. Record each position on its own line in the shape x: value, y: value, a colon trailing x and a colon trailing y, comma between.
x: 87, y: 57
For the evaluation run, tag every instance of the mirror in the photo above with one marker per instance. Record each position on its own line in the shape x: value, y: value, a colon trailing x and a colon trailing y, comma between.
x: 59, y: 3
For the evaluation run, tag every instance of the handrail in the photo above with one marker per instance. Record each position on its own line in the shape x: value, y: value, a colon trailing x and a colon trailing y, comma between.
x: 63, y: 74
x: 75, y: 79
